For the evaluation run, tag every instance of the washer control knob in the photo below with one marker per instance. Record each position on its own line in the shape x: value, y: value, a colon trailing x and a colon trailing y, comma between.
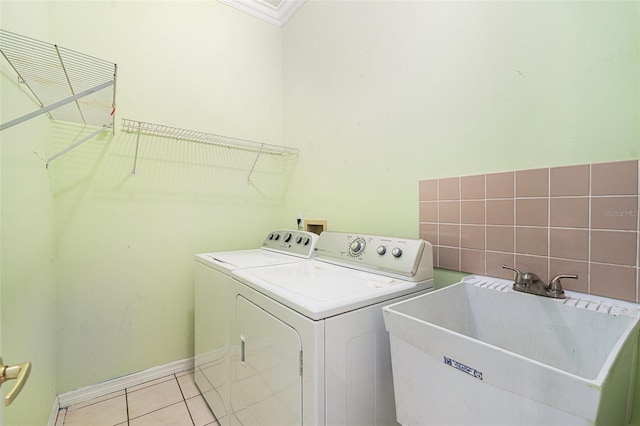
x: 306, y: 241
x: 381, y: 250
x: 357, y: 246
x: 287, y: 237
x: 298, y: 239
x: 396, y: 252
x: 276, y: 237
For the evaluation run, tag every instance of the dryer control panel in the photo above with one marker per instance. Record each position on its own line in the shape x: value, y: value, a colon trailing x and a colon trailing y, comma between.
x: 404, y: 258
x: 299, y: 243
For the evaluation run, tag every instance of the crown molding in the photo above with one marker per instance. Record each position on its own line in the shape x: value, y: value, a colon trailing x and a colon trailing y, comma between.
x: 265, y: 10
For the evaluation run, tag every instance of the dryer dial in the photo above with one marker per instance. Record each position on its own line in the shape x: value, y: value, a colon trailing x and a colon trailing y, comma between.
x: 396, y: 252
x: 357, y: 247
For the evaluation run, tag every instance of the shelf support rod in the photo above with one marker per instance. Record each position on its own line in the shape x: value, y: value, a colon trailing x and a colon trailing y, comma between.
x: 55, y: 105
x: 66, y: 76
x: 135, y: 158
x: 80, y: 142
x: 248, y: 182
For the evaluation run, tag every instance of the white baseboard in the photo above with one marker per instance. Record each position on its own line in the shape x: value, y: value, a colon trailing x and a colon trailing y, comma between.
x: 120, y: 383
x: 54, y: 412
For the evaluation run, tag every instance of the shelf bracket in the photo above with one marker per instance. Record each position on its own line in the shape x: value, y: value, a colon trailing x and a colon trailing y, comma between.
x: 248, y: 182
x: 80, y: 142
x: 55, y: 105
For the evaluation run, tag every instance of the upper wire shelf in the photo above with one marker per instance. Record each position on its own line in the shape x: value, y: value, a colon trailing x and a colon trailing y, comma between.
x: 141, y: 127
x: 134, y: 126
x: 68, y: 85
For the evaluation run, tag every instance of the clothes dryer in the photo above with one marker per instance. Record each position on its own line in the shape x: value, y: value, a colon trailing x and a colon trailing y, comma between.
x: 212, y: 290
x: 309, y: 346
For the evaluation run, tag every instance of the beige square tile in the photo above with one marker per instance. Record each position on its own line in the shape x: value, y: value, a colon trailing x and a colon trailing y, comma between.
x: 501, y: 238
x: 569, y: 212
x: 532, y: 183
x: 176, y: 414
x: 619, y: 213
x: 428, y: 211
x: 616, y: 178
x: 200, y: 411
x: 449, y: 235
x: 569, y: 243
x: 565, y: 267
x: 472, y: 187
x: 472, y: 212
x: 449, y: 258
x: 500, y: 212
x: 568, y: 181
x: 429, y: 232
x: 448, y: 212
x: 472, y: 236
x: 495, y: 262
x: 615, y: 247
x: 532, y: 240
x: 449, y: 189
x: 154, y: 397
x: 428, y: 190
x: 472, y: 261
x: 614, y: 281
x: 500, y: 185
x: 60, y: 417
x: 188, y: 385
x: 532, y: 211
x: 106, y: 412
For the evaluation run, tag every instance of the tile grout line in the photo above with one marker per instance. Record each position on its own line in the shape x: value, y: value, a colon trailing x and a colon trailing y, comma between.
x: 184, y: 400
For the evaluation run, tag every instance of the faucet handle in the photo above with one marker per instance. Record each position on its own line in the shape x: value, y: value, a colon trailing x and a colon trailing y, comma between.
x: 519, y: 281
x: 555, y: 286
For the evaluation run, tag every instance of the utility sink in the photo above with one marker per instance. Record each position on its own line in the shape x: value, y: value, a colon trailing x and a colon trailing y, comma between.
x: 478, y: 352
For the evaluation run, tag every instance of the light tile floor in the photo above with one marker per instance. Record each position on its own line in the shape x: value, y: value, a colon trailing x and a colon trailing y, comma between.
x: 171, y: 400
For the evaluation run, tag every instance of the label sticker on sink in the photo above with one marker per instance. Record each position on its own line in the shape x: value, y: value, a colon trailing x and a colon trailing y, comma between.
x: 464, y: 368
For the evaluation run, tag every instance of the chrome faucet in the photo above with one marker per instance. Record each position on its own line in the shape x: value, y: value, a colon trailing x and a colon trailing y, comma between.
x: 528, y: 282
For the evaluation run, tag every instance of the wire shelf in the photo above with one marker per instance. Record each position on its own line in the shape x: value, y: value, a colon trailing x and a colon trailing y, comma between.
x: 68, y: 85
x: 141, y: 127
x: 144, y: 128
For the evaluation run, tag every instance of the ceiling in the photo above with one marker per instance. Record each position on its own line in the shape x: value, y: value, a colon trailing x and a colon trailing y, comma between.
x: 276, y: 12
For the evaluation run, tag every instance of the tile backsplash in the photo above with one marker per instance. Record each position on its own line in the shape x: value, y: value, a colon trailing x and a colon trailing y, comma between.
x: 579, y: 219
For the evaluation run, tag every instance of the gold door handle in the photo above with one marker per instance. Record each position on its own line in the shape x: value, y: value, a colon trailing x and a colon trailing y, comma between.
x: 19, y: 373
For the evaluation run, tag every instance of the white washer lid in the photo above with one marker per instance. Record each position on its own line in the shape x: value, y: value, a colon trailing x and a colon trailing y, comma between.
x: 231, y: 260
x: 319, y: 290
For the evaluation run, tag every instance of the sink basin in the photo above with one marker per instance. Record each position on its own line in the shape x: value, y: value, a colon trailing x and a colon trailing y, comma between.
x: 478, y: 352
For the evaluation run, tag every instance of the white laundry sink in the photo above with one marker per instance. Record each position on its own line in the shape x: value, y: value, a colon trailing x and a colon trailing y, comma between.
x: 478, y: 352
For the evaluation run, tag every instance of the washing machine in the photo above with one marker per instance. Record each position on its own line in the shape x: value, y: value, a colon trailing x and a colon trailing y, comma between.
x: 308, y: 344
x: 213, y: 307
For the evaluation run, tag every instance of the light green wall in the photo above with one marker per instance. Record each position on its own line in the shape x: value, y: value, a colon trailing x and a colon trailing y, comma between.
x: 124, y: 245
x: 27, y: 261
x: 381, y: 94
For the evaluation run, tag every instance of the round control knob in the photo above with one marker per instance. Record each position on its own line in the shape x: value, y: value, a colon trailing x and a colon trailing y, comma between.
x: 306, y: 240
x: 357, y: 246
x: 287, y: 237
x: 271, y: 236
x: 298, y: 239
x: 381, y: 250
x: 276, y: 237
x: 396, y: 252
